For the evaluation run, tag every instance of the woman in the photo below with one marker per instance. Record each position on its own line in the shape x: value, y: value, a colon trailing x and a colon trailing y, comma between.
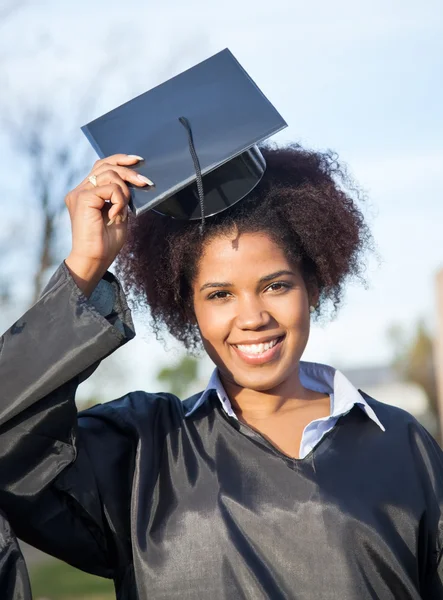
x: 281, y: 480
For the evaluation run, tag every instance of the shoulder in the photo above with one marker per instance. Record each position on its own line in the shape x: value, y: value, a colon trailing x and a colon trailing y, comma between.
x: 137, y: 411
x: 392, y: 417
x: 404, y: 431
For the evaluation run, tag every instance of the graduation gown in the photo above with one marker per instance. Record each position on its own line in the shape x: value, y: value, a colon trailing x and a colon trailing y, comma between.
x: 204, y: 507
x: 14, y: 580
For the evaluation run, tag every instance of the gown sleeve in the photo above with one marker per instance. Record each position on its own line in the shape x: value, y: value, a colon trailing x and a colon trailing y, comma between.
x: 428, y: 458
x: 435, y: 589
x: 14, y: 580
x: 65, y: 481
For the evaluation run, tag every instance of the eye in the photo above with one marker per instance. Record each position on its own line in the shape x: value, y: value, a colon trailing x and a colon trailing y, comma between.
x: 278, y: 286
x: 220, y: 295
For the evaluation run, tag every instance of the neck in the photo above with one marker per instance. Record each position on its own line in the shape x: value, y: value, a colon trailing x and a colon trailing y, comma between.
x: 262, y: 404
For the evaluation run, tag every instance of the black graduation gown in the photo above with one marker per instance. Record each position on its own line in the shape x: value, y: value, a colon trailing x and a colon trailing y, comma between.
x: 204, y: 507
x: 14, y: 580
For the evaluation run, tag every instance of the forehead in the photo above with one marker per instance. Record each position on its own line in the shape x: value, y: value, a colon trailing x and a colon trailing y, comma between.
x: 247, y: 254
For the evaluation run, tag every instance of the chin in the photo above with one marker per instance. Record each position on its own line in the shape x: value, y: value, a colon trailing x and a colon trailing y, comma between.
x: 259, y: 381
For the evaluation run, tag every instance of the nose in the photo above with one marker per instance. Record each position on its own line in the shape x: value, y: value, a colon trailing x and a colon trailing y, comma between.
x: 252, y: 314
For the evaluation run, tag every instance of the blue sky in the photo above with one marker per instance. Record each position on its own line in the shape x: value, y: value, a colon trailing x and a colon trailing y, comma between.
x: 362, y: 78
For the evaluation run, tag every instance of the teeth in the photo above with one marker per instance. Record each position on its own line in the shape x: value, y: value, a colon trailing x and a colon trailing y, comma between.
x: 257, y: 348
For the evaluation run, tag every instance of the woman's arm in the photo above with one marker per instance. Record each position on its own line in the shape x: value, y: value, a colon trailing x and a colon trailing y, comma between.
x: 14, y: 580
x: 58, y: 483
x: 49, y: 486
x: 428, y: 459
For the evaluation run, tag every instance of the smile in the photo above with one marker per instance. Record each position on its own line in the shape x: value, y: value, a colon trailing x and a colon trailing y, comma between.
x: 258, y: 353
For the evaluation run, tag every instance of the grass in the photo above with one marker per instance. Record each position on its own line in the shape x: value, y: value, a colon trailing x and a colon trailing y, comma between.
x: 55, y: 580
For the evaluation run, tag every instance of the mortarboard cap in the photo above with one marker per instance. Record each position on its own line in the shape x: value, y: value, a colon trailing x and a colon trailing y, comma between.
x: 198, y: 133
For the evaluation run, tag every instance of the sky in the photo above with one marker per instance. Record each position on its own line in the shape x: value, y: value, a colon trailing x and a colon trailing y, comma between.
x: 361, y: 78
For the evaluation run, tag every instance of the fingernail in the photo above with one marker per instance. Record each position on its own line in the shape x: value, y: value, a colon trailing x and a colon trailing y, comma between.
x: 118, y: 219
x: 135, y: 157
x: 125, y: 215
x: 111, y: 222
x: 145, y: 180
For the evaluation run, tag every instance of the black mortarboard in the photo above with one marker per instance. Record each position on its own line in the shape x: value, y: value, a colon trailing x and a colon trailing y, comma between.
x: 197, y: 133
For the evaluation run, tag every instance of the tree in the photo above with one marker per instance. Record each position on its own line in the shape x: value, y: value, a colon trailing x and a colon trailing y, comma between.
x: 52, y: 152
x: 414, y: 359
x: 179, y: 377
x: 54, y: 168
x: 55, y: 160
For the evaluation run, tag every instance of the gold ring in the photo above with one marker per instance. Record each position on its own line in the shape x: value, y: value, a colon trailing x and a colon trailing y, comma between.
x: 93, y: 179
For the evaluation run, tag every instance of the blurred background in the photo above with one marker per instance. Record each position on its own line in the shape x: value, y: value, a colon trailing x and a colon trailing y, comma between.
x: 361, y: 78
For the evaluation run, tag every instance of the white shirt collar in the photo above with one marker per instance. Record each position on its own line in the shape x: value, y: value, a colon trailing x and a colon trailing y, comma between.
x: 314, y: 376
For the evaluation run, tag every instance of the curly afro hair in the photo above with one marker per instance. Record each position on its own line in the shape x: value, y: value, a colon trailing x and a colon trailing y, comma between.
x: 305, y: 201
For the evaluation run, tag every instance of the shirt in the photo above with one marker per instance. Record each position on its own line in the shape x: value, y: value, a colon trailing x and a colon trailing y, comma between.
x: 314, y: 376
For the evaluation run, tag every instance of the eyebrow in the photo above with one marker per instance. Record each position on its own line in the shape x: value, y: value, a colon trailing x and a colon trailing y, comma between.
x: 275, y: 275
x: 225, y: 284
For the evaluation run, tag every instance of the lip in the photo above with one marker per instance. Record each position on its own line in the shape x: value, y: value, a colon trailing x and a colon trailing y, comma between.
x: 263, y: 358
x: 262, y: 340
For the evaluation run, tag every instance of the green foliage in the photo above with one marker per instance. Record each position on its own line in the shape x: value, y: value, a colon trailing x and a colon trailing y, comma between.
x: 414, y: 358
x: 179, y: 377
x: 89, y: 402
x: 56, y: 580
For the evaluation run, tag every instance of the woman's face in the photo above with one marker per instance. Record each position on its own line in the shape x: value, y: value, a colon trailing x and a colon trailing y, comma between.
x: 252, y: 308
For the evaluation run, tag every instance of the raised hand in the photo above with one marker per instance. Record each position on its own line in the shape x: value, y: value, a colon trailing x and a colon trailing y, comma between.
x: 98, y: 209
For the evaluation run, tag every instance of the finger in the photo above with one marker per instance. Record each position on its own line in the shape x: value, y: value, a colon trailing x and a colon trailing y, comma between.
x: 118, y: 159
x: 86, y: 198
x: 99, y: 196
x: 118, y: 218
x: 124, y: 173
x: 108, y: 177
x: 118, y: 200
